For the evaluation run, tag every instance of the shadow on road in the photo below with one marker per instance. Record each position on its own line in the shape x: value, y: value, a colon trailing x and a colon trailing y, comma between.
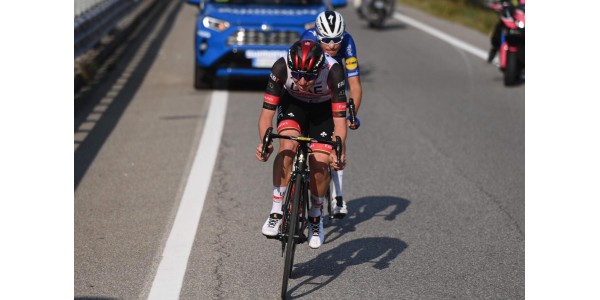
x: 364, y: 209
x: 242, y: 84
x: 95, y: 298
x: 378, y: 252
x: 86, y: 101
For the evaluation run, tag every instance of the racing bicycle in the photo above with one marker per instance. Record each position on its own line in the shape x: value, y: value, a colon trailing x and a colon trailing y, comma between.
x: 296, y: 202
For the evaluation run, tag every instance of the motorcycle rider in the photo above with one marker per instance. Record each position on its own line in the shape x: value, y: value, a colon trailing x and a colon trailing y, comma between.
x: 366, y: 8
x: 330, y: 32
x: 501, y: 7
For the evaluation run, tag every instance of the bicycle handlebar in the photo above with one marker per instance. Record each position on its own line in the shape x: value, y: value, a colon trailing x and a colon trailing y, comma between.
x: 269, y: 136
x: 352, y: 110
x: 266, y: 141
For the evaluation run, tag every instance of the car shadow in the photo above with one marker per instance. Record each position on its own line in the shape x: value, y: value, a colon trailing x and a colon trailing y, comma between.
x: 390, y: 25
x: 242, y: 84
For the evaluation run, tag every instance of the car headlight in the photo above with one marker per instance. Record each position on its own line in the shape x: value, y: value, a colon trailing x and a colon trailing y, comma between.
x: 215, y: 24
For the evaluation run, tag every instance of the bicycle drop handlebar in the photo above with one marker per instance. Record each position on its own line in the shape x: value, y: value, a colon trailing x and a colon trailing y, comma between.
x: 269, y: 136
x: 352, y: 111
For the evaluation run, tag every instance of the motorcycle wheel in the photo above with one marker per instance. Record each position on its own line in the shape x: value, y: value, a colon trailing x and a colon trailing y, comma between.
x: 378, y: 22
x: 512, y: 71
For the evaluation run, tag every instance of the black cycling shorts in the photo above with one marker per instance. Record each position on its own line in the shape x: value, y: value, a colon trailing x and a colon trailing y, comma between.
x: 314, y: 120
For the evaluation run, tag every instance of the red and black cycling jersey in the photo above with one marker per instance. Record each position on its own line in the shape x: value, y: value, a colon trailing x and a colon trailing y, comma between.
x: 329, y: 86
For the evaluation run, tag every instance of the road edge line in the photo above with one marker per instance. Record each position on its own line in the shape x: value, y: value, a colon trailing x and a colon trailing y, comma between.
x: 442, y: 36
x: 171, y: 270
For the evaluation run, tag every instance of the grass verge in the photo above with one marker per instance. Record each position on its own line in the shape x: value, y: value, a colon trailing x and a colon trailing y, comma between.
x: 459, y: 11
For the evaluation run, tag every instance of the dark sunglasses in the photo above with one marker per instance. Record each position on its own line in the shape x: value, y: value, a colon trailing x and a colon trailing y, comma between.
x: 307, y: 76
x: 327, y: 40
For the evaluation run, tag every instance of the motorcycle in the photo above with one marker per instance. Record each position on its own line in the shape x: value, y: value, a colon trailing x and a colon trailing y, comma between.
x: 512, y: 40
x: 375, y: 11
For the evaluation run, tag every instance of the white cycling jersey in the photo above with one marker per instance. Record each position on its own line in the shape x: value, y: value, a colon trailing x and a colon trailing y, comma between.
x: 319, y: 92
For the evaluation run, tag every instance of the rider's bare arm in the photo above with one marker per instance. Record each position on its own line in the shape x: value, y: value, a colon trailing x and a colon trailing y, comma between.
x: 355, y: 91
x: 336, y: 81
x: 270, y: 102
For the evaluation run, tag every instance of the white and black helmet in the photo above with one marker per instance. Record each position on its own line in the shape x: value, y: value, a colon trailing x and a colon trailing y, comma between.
x: 330, y: 24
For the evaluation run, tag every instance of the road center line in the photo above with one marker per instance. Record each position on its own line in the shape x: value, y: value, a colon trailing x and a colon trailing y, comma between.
x: 171, y: 270
x: 442, y: 36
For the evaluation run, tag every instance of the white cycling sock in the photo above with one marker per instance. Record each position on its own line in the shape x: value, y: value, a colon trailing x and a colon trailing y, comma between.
x: 337, y: 177
x: 317, y: 203
x: 278, y: 194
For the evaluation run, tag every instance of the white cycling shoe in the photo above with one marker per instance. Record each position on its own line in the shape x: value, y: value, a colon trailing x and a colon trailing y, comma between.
x: 339, y: 212
x: 271, y: 226
x: 316, y: 235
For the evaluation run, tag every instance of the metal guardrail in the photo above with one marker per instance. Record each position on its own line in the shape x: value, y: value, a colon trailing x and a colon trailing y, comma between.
x: 81, y: 6
x: 96, y: 18
x: 89, y: 63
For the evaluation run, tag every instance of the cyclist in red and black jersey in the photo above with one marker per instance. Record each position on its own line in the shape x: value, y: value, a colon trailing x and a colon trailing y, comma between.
x: 307, y: 91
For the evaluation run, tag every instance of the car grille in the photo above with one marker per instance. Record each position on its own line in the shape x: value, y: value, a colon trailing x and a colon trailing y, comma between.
x: 258, y: 37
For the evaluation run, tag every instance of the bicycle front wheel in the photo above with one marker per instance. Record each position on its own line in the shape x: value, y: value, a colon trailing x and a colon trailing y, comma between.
x: 291, y: 235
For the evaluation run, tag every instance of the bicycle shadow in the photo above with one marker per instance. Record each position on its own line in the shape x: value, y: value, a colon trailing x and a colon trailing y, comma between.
x: 379, y: 251
x: 361, y: 210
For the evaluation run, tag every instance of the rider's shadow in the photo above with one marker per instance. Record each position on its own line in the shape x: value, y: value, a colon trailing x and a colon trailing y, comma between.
x: 378, y: 251
x: 363, y: 209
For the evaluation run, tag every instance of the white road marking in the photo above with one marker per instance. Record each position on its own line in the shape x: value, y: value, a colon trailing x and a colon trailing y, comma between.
x: 442, y: 36
x: 169, y: 276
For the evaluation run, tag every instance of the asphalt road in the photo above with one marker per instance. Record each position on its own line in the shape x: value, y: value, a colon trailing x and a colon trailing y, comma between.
x: 435, y: 179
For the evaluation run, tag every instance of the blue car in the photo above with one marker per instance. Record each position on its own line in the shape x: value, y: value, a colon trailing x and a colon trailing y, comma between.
x: 243, y: 38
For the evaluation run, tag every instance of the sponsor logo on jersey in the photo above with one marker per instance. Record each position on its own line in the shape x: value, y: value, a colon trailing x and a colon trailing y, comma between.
x: 351, y: 63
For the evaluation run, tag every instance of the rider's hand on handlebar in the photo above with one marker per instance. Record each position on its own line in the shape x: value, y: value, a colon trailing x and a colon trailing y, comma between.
x: 333, y: 161
x: 267, y: 155
x: 351, y: 125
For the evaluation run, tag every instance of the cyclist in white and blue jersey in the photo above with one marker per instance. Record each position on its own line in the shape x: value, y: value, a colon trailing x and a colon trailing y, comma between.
x: 330, y: 32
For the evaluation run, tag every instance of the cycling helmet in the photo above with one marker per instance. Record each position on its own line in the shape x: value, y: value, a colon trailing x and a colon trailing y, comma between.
x: 330, y: 24
x: 305, y: 57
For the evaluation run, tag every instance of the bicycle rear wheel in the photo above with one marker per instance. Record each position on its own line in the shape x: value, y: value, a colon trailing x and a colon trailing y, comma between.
x: 292, y: 229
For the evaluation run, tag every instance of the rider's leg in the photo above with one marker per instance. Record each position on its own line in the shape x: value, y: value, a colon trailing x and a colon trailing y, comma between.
x: 495, y: 41
x: 282, y: 167
x: 319, y: 169
x: 339, y: 205
x: 337, y: 177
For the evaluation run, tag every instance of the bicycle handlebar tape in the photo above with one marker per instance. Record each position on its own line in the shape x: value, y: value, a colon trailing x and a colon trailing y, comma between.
x: 352, y: 111
x: 266, y: 141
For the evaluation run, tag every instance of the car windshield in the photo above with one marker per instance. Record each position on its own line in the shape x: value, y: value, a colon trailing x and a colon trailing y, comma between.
x: 269, y: 2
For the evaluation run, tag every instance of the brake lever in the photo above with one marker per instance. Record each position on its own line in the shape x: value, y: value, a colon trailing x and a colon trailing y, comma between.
x: 266, y: 141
